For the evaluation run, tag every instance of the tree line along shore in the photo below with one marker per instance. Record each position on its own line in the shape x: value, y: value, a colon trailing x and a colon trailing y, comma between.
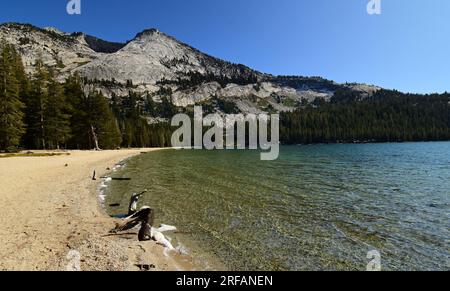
x: 39, y: 112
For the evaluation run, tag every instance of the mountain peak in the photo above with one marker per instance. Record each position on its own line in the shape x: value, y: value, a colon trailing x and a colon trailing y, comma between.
x: 148, y: 32
x: 55, y: 30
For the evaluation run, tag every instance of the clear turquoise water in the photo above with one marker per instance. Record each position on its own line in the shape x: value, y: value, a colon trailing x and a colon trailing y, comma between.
x: 318, y: 207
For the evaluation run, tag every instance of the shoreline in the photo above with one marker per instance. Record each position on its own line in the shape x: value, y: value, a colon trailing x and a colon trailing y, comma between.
x: 199, y: 258
x: 52, y: 218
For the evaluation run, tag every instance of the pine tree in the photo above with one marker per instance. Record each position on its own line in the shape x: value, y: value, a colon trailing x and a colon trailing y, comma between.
x: 104, y: 130
x: 57, y: 115
x: 77, y: 101
x: 11, y: 115
x: 36, y: 104
x: 21, y: 76
x: 47, y: 112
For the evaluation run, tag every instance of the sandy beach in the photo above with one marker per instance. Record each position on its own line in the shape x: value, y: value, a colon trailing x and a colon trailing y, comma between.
x: 51, y: 218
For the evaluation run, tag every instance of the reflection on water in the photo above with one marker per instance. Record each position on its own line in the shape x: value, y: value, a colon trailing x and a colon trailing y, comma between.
x: 318, y: 207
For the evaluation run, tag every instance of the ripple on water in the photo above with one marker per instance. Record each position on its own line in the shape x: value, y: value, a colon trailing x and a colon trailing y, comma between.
x: 316, y: 208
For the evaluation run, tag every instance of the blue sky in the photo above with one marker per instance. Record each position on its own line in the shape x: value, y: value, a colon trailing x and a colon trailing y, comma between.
x: 407, y: 47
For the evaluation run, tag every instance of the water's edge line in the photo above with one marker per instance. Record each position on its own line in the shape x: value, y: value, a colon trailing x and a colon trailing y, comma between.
x: 118, y: 165
x: 105, y: 174
x: 122, y: 163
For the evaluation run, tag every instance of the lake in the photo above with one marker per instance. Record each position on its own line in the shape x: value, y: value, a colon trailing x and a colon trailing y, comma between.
x: 318, y: 207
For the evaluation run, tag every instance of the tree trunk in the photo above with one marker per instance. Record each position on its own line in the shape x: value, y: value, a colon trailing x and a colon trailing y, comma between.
x: 42, y: 124
x: 94, y: 136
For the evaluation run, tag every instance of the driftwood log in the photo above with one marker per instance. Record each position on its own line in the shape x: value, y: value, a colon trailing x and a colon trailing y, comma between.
x: 145, y: 217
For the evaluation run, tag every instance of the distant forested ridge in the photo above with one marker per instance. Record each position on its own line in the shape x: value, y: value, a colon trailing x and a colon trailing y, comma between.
x: 38, y: 112
x: 387, y: 116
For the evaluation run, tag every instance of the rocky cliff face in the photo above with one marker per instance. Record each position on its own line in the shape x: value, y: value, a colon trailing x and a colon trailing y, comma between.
x: 56, y: 49
x: 153, y: 56
x: 153, y: 62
